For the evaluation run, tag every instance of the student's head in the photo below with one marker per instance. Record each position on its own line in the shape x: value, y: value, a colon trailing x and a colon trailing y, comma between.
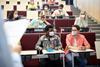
x: 31, y: 2
x: 45, y: 7
x: 12, y: 15
x: 15, y: 14
x: 83, y: 14
x: 75, y: 30
x: 61, y: 6
x: 49, y: 29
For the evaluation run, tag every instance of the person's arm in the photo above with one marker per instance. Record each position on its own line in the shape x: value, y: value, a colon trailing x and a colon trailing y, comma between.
x: 86, y: 43
x: 59, y: 43
x: 17, y: 48
x: 66, y: 14
x: 55, y: 13
x: 38, y: 44
x: 46, y: 22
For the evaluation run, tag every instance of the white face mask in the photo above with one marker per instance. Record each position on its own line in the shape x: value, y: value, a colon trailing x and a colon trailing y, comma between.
x: 51, y: 33
x: 82, y: 16
x: 45, y: 8
x: 74, y: 33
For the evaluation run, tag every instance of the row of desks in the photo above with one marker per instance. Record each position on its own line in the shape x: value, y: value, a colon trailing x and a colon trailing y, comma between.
x: 46, y: 54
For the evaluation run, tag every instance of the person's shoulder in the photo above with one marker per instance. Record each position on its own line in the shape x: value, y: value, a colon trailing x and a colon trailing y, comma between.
x: 56, y: 10
x: 81, y: 35
x: 42, y: 36
x: 57, y: 35
x: 68, y: 35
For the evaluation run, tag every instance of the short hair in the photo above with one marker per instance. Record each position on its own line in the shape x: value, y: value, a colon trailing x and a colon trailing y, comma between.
x: 77, y: 27
x: 48, y: 27
x: 61, y: 5
x: 46, y: 5
x: 10, y: 15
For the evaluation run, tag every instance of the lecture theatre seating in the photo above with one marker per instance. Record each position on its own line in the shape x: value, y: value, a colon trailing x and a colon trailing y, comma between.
x: 29, y: 40
x: 21, y: 13
x: 58, y: 23
x: 90, y: 36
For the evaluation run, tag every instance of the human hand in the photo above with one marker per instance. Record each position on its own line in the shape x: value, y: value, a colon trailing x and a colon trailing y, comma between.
x: 40, y: 48
x: 82, y: 48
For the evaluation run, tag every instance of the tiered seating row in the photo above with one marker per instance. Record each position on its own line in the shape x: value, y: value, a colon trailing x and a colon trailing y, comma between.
x: 29, y: 41
x: 58, y: 23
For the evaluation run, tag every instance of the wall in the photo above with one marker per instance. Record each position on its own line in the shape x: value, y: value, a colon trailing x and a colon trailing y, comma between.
x: 91, y: 7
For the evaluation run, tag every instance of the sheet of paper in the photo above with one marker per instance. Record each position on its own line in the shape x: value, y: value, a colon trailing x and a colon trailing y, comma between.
x: 87, y: 50
x: 14, y: 30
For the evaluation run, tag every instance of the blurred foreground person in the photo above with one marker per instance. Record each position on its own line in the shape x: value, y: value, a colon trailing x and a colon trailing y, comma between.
x: 5, y: 54
x: 14, y: 31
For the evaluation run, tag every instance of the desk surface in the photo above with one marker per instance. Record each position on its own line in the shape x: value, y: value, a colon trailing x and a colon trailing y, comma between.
x: 34, y: 52
x: 29, y: 52
x: 53, y: 52
x: 77, y: 51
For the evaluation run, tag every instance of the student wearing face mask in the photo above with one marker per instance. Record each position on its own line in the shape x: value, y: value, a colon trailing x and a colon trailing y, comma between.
x: 46, y: 11
x: 60, y: 12
x: 82, y: 21
x: 49, y: 41
x: 13, y: 16
x: 76, y: 41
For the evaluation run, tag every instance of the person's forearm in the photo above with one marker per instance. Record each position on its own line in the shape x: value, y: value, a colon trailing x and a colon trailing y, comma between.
x: 87, y: 47
x: 74, y: 48
x: 46, y: 22
x: 39, y: 48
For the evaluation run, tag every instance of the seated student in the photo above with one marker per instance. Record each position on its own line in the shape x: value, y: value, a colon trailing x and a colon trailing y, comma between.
x: 32, y: 5
x: 49, y: 41
x: 76, y: 41
x: 46, y: 11
x: 82, y: 21
x: 60, y: 13
x: 40, y: 22
x: 13, y: 16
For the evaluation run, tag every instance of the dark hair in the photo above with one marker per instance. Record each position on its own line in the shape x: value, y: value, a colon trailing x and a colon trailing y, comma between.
x: 77, y: 26
x: 61, y: 5
x: 10, y: 15
x: 47, y: 28
x: 46, y: 5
